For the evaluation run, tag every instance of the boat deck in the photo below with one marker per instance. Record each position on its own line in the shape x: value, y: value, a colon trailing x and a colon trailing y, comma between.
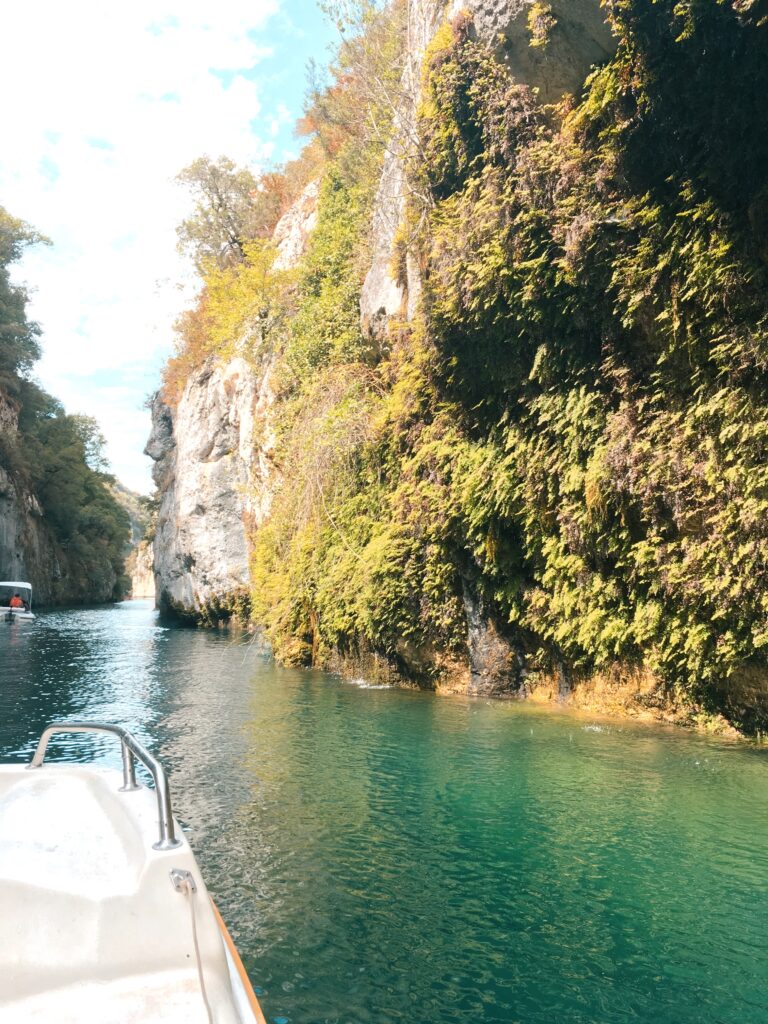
x: 92, y: 926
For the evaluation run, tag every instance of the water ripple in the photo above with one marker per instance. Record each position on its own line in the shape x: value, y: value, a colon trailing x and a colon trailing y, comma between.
x: 389, y: 856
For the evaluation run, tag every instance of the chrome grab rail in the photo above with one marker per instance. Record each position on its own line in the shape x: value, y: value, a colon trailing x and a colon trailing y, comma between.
x: 131, y: 749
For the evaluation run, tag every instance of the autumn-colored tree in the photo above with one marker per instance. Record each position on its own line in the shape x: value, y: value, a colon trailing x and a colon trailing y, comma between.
x: 358, y: 98
x: 231, y: 208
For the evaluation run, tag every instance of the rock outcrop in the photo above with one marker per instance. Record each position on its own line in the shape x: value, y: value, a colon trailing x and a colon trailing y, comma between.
x: 26, y: 549
x: 203, y: 453
x: 211, y: 451
x: 294, y: 228
x: 213, y: 469
x: 550, y: 47
x: 140, y: 566
x: 383, y: 297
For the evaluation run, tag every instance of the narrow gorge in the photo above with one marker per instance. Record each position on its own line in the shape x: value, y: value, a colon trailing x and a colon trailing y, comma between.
x: 475, y: 399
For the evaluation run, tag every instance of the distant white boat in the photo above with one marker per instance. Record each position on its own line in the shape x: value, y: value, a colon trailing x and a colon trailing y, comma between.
x: 105, y: 915
x: 16, y: 601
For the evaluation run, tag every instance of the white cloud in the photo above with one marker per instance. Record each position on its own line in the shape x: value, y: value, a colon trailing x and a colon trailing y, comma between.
x: 104, y: 105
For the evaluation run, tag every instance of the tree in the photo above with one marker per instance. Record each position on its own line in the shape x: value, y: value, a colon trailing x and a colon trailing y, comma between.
x: 231, y: 209
x: 19, y: 347
x: 93, y: 441
x: 360, y: 96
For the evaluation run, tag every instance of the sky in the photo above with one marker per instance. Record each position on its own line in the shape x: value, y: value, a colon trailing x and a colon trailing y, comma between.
x: 105, y: 104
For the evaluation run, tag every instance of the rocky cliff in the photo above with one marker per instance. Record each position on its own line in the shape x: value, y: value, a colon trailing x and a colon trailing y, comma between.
x: 29, y: 549
x: 550, y: 48
x: 213, y: 471
x: 212, y: 448
x: 26, y: 549
x: 204, y: 471
x: 140, y: 567
x: 520, y: 439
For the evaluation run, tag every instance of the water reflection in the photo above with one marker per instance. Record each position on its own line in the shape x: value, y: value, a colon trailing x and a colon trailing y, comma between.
x: 389, y: 856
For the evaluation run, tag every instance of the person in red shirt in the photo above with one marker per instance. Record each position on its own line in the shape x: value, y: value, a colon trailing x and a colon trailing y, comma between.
x: 16, y: 602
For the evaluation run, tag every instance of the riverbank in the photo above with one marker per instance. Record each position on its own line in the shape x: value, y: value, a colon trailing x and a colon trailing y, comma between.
x: 636, y: 696
x: 739, y: 709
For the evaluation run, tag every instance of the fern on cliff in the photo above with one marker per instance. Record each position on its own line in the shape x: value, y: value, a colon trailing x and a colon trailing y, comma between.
x: 576, y: 429
x: 572, y: 432
x: 596, y: 300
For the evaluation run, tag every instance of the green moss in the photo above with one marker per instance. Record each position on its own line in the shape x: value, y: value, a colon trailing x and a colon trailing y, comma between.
x: 605, y: 343
x: 541, y: 21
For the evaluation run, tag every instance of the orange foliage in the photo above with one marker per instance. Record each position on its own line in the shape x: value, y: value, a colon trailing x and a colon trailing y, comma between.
x: 192, y: 349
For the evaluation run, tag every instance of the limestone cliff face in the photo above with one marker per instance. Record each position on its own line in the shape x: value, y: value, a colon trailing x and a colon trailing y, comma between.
x: 212, y: 451
x: 294, y: 228
x: 213, y: 469
x: 28, y: 547
x: 549, y: 46
x: 383, y: 297
x: 140, y: 566
x: 204, y: 471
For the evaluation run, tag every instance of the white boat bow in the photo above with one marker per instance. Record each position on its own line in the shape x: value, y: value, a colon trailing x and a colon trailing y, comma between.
x: 106, y: 917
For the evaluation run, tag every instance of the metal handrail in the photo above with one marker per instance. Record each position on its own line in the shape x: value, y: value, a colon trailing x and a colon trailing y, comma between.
x: 131, y: 749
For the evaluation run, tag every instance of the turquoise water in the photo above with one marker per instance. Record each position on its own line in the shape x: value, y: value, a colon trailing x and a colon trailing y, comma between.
x: 389, y: 856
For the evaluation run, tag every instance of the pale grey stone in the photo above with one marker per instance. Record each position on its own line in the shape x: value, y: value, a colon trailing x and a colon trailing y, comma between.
x: 294, y: 228
x: 213, y: 466
x: 203, y: 452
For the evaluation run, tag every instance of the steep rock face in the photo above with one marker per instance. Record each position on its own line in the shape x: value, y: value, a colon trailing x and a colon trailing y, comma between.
x: 140, y: 567
x: 551, y: 51
x: 550, y: 47
x: 294, y: 228
x: 17, y: 510
x: 213, y: 467
x: 25, y: 549
x: 381, y: 295
x: 495, y: 665
x: 203, y: 457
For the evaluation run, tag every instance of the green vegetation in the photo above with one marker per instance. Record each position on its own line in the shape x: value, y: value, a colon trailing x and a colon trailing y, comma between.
x: 54, y: 457
x: 573, y: 431
x: 596, y: 300
x: 18, y: 337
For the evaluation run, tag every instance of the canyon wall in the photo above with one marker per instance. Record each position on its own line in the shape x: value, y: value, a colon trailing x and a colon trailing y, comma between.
x: 29, y: 550
x: 213, y: 470
x: 520, y: 442
x: 202, y: 449
x: 140, y: 567
x: 577, y: 38
x: 211, y: 448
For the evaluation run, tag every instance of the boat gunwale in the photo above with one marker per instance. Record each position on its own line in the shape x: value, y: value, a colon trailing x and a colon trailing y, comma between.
x: 253, y: 1002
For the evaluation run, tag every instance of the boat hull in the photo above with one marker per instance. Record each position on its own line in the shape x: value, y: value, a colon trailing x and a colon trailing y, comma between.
x: 11, y: 615
x: 94, y: 926
x: 241, y: 983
